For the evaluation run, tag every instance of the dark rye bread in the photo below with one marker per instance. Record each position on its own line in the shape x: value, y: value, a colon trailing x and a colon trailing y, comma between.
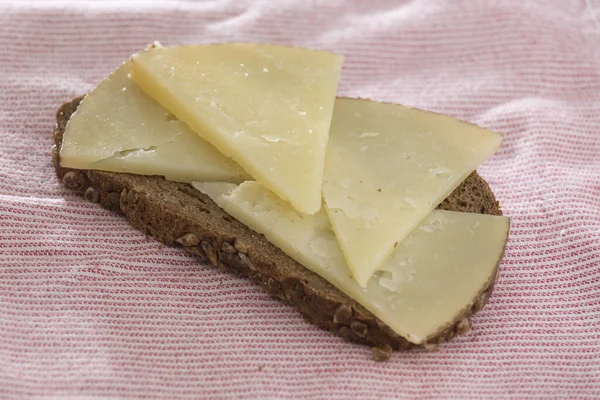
x: 178, y: 215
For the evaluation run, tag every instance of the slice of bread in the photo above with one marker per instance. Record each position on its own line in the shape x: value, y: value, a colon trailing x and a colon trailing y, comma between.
x: 178, y: 215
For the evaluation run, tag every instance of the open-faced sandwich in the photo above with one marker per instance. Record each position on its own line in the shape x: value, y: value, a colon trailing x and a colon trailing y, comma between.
x: 367, y: 217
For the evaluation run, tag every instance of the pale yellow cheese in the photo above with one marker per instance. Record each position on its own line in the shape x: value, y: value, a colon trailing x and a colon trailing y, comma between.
x: 118, y: 128
x: 430, y: 278
x: 267, y: 107
x: 387, y: 168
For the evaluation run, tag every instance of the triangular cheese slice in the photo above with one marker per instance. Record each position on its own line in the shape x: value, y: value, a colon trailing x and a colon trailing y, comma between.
x: 431, y: 278
x: 387, y: 168
x: 267, y: 107
x: 118, y: 128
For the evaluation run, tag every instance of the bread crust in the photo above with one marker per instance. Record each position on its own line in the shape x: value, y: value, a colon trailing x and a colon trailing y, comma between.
x: 178, y: 215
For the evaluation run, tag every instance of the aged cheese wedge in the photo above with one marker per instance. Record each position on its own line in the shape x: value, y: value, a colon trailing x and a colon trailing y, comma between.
x: 118, y: 128
x: 267, y: 107
x: 429, y: 280
x: 387, y: 168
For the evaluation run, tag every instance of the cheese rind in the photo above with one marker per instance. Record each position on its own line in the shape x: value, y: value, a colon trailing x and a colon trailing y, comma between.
x: 430, y: 279
x: 267, y: 107
x: 387, y: 167
x: 118, y: 128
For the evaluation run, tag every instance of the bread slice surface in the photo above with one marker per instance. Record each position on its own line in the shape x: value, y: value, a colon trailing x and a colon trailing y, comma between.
x: 178, y: 215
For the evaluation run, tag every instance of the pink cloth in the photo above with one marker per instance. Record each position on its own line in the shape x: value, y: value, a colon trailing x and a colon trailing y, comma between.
x: 90, y: 308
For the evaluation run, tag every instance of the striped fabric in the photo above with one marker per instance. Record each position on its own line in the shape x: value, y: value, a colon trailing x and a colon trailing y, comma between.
x: 90, y: 308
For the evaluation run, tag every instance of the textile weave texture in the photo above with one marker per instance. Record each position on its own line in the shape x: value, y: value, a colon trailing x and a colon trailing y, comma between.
x: 91, y: 308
